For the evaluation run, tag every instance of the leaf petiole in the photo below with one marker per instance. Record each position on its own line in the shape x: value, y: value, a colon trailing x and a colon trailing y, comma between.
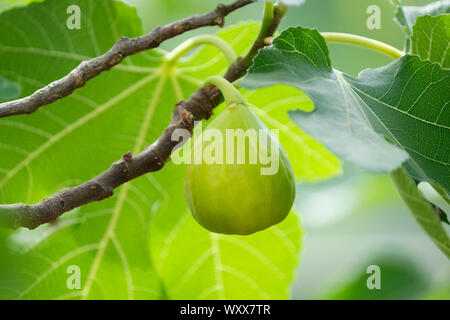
x: 363, y: 42
x: 173, y: 56
x: 229, y: 92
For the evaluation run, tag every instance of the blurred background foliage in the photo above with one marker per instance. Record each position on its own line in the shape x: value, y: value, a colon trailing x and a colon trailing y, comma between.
x: 354, y: 220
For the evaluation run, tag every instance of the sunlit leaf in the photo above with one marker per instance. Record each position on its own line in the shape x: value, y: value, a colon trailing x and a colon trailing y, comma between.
x: 76, y: 138
x: 197, y: 264
x: 431, y: 39
x: 71, y: 141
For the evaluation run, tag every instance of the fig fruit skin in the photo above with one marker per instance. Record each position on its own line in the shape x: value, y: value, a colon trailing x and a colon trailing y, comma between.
x: 237, y: 198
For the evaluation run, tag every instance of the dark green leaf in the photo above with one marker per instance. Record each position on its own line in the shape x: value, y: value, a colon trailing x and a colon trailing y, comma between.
x: 409, y: 100
x: 299, y: 57
x: 406, y: 101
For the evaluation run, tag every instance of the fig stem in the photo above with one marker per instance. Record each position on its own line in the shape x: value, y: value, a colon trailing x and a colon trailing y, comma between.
x: 363, y: 42
x: 230, y: 93
x: 173, y: 56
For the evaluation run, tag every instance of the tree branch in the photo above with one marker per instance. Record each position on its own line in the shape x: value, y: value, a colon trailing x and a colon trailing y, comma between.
x: 123, y: 48
x: 199, y: 106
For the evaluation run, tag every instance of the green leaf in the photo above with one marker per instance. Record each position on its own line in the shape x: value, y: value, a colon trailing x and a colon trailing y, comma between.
x: 8, y: 4
x: 197, y: 264
x: 71, y: 141
x: 421, y: 210
x: 299, y: 57
x: 76, y: 138
x: 431, y: 38
x: 407, y: 15
x: 8, y: 90
x: 410, y: 107
x: 405, y: 101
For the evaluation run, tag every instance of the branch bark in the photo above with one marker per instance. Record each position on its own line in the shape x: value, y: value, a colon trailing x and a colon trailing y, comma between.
x: 199, y: 106
x: 123, y: 48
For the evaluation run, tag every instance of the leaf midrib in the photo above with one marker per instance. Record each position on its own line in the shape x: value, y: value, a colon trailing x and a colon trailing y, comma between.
x: 401, y: 111
x: 80, y: 122
x: 109, y: 232
x: 72, y: 56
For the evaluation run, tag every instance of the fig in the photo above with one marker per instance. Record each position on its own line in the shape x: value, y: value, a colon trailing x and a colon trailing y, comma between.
x: 235, y: 189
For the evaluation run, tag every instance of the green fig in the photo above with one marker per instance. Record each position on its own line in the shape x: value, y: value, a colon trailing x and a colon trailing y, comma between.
x: 234, y: 189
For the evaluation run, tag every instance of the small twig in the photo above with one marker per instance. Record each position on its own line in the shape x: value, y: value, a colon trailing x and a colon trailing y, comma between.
x: 123, y: 48
x: 199, y: 106
x: 269, y: 26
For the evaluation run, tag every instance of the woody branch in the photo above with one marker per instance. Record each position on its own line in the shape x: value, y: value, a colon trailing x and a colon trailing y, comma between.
x: 199, y: 106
